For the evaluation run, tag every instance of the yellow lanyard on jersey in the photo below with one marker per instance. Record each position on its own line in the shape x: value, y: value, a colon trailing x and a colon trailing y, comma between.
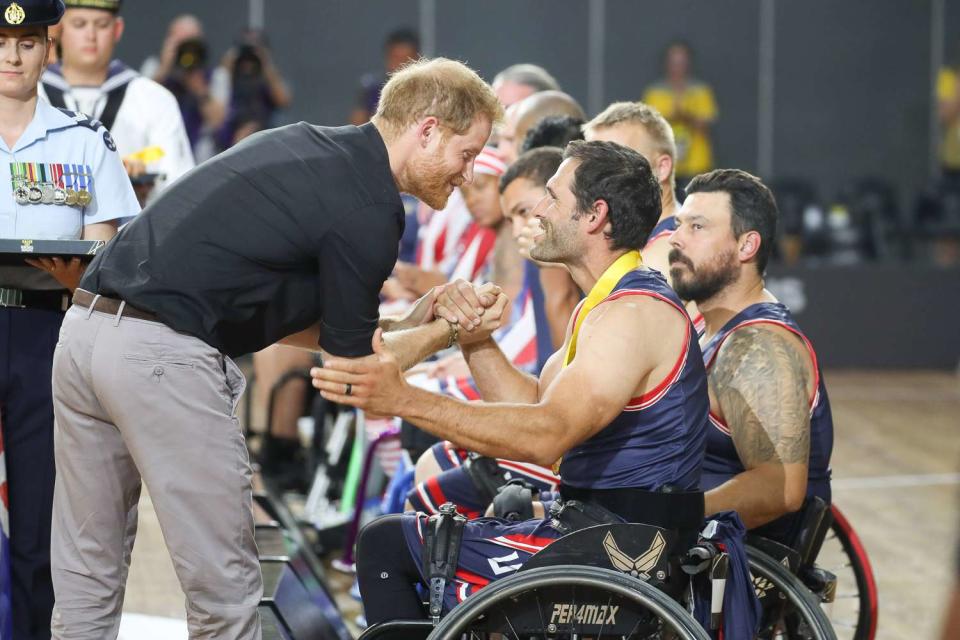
x: 603, y: 288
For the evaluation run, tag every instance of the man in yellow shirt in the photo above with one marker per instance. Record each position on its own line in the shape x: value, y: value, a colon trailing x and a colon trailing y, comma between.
x: 948, y: 106
x: 689, y: 106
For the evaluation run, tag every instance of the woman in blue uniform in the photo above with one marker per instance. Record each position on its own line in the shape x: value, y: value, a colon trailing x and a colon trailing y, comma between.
x: 60, y: 178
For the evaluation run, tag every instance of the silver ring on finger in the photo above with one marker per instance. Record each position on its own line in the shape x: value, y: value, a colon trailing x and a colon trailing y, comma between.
x: 349, y: 389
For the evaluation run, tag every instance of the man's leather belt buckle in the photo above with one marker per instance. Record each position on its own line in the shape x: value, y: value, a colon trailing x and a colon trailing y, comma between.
x: 11, y: 298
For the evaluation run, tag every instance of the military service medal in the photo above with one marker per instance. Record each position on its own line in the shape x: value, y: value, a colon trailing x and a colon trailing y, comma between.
x: 76, y: 183
x: 46, y: 193
x: 84, y: 197
x: 34, y: 195
x: 56, y: 176
x: 20, y: 183
x: 20, y: 194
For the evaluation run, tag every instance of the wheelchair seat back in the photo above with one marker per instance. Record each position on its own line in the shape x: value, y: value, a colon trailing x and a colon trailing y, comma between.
x: 638, y: 550
x: 814, y: 526
x: 801, y: 549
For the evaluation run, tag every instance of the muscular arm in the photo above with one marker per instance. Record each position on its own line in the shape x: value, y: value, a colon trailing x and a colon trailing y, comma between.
x: 496, y: 377
x: 613, y: 362
x: 761, y: 380
x: 409, y: 346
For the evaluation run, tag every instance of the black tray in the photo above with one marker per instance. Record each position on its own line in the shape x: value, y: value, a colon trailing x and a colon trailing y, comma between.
x: 14, y: 250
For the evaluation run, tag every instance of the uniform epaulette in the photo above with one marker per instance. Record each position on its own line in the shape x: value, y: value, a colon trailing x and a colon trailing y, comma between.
x: 82, y: 120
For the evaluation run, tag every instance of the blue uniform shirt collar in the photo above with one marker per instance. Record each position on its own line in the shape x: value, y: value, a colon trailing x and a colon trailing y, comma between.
x: 45, y: 119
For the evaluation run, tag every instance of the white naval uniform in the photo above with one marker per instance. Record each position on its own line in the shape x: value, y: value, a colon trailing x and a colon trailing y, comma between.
x: 148, y: 116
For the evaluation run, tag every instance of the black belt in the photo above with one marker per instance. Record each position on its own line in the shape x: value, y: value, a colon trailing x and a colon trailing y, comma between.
x: 681, y: 510
x: 83, y: 298
x: 56, y: 300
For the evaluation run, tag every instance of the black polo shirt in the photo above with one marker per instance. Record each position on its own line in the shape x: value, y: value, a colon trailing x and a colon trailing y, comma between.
x: 291, y: 226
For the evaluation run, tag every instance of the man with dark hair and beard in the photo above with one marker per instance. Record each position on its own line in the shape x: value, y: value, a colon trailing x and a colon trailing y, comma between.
x: 771, y: 432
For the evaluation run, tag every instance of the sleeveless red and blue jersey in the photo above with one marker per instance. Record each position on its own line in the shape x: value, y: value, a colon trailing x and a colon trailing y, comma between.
x: 722, y: 462
x: 659, y: 438
x: 662, y: 229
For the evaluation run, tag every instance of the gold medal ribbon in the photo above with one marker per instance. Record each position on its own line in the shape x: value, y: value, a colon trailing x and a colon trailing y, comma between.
x: 603, y: 288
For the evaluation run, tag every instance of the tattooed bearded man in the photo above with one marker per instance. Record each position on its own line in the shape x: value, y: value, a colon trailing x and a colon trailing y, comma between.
x: 771, y: 432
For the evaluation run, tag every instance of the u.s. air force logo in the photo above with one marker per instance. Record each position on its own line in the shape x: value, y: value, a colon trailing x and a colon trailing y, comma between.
x: 637, y: 567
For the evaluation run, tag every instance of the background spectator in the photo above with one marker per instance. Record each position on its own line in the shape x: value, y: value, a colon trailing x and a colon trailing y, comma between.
x: 254, y: 90
x: 690, y: 108
x: 190, y: 80
x: 182, y: 28
x: 553, y: 131
x: 948, y: 108
x: 519, y: 81
x: 400, y: 47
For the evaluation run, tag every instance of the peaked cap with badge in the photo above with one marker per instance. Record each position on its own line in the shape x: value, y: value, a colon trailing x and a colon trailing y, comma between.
x: 30, y: 13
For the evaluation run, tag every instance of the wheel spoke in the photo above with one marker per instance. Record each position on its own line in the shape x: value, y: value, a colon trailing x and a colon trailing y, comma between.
x: 507, y: 618
x: 602, y: 624
x: 543, y: 625
x: 635, y: 627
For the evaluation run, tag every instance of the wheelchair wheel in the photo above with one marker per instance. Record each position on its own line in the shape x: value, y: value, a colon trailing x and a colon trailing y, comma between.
x: 567, y: 601
x: 854, y: 609
x: 790, y: 610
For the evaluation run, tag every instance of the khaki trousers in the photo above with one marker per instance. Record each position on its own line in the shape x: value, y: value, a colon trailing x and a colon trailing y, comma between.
x: 135, y: 400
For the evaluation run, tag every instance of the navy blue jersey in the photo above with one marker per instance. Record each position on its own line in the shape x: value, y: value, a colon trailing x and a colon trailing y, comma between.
x: 659, y: 438
x: 662, y: 229
x: 722, y: 461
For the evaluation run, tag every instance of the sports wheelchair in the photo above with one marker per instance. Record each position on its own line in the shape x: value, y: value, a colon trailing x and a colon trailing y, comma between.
x: 613, y: 581
x: 842, y: 578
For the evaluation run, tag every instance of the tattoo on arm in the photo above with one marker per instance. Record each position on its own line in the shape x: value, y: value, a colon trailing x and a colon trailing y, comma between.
x: 760, y: 379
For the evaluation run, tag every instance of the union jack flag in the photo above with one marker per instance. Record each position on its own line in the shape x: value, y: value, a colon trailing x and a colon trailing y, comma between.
x: 6, y: 617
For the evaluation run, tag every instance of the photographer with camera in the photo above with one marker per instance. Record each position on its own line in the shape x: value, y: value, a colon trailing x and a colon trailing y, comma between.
x: 256, y: 89
x: 194, y: 84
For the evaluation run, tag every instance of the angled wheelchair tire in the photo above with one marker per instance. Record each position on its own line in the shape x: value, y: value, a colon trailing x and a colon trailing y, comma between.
x: 565, y: 601
x: 398, y: 630
x: 854, y: 563
x: 797, y: 611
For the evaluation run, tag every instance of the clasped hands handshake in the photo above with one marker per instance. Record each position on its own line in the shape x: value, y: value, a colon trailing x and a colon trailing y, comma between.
x: 376, y: 382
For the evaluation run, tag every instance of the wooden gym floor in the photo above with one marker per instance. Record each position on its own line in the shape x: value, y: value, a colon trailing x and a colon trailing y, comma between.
x: 896, y: 469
